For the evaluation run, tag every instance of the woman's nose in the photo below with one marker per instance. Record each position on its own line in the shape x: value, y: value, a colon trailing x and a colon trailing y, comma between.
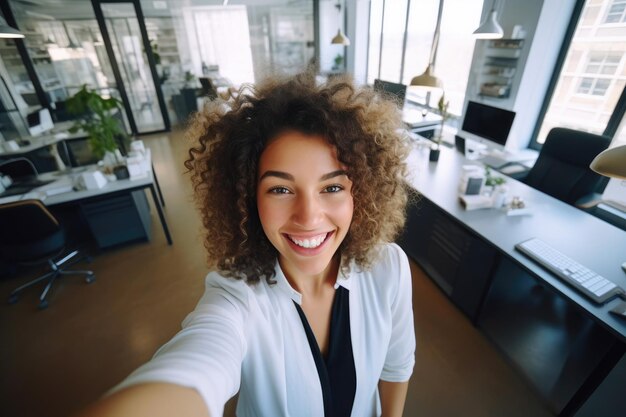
x: 308, y: 212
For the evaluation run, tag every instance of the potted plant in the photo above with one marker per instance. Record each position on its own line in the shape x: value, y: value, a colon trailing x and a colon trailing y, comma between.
x: 495, y: 186
x: 97, y: 119
x: 338, y: 61
x: 442, y: 106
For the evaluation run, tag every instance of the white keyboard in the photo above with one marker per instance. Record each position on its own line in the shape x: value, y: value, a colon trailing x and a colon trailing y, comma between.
x: 594, y: 286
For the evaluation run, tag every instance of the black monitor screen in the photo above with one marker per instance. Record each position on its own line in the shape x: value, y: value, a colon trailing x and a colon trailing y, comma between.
x: 33, y: 119
x: 488, y: 122
x: 398, y: 90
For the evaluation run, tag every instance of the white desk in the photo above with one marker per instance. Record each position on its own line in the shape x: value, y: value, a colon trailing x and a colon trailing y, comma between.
x: 561, y: 341
x: 110, y: 190
x: 58, y: 134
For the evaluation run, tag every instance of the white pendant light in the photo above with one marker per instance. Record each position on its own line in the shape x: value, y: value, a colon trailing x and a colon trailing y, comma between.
x: 7, y: 31
x: 428, y: 80
x: 490, y: 28
x: 340, y: 38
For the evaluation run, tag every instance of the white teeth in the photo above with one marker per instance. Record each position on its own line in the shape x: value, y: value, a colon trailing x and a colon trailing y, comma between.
x: 309, y: 243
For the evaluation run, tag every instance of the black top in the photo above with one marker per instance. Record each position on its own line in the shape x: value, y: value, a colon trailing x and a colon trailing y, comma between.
x: 336, y: 371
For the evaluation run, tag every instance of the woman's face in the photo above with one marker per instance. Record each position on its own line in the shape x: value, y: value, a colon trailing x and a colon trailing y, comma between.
x: 304, y: 200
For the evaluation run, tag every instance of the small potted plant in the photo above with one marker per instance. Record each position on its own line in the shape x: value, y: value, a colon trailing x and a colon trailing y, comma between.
x: 97, y: 118
x: 338, y: 62
x: 442, y: 106
x: 495, y: 186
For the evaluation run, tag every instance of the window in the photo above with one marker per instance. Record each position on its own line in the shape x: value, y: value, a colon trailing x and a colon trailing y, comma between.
x: 592, y: 76
x: 604, y: 65
x: 454, y: 55
x: 616, y: 13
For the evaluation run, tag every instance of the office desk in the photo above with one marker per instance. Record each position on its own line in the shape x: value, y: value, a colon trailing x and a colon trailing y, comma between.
x: 562, y: 342
x: 115, y: 213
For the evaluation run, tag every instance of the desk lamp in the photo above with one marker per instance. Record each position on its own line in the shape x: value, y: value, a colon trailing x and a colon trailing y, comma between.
x: 611, y: 163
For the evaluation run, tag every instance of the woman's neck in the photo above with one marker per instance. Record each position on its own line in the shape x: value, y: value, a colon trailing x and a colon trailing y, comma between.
x: 313, y: 284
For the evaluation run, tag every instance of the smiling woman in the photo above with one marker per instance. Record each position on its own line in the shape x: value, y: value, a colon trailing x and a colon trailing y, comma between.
x: 308, y: 311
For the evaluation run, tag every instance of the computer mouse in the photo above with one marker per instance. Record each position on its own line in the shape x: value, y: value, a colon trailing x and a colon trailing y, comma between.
x: 24, y: 142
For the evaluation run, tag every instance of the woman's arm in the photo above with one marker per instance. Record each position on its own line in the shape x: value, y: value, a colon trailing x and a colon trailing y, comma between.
x: 392, y: 397
x: 150, y: 400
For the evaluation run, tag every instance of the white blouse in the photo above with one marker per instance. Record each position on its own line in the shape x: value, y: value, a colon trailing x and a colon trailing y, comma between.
x: 249, y: 338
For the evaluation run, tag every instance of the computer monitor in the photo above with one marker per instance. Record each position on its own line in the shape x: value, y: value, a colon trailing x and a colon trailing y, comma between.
x: 398, y: 90
x: 487, y: 124
x: 39, y: 121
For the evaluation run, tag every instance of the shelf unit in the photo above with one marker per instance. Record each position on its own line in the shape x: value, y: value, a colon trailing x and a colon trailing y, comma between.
x: 500, y: 67
x: 50, y: 81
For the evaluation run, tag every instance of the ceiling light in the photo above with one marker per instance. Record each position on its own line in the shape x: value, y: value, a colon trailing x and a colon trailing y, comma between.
x: 7, y: 31
x: 490, y: 28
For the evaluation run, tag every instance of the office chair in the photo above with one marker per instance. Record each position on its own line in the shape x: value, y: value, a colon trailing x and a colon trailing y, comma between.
x: 18, y: 168
x: 31, y: 234
x: 208, y: 89
x: 562, y: 169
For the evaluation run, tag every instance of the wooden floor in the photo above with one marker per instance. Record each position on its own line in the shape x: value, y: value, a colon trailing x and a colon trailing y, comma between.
x: 54, y: 362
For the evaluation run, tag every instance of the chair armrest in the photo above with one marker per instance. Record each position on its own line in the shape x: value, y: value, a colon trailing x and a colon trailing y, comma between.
x: 515, y: 170
x: 588, y: 201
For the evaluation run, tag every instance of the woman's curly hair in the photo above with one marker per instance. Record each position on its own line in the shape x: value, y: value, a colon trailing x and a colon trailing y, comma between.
x: 228, y: 139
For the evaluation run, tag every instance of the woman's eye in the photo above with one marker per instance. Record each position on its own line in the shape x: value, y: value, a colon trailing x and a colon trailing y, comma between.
x: 333, y: 189
x: 279, y: 190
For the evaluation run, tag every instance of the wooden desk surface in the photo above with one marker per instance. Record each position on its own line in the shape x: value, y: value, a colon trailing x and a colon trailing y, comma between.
x: 585, y: 238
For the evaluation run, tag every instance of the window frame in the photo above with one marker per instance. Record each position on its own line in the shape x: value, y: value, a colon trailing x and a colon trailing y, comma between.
x: 620, y: 107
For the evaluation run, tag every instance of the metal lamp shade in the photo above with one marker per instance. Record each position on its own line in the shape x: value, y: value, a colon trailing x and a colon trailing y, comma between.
x: 611, y: 162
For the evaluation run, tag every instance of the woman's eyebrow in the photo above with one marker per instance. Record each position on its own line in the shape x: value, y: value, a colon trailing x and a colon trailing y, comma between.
x: 333, y: 174
x: 289, y: 177
x: 278, y: 174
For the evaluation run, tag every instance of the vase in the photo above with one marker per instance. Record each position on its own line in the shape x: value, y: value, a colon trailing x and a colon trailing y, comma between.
x: 434, y: 154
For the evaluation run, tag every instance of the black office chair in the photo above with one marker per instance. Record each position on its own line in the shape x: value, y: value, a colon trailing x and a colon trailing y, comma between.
x: 562, y: 169
x: 18, y: 168
x: 208, y: 89
x: 31, y: 234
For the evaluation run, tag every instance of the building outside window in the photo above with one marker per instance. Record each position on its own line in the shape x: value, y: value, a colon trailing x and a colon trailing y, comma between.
x: 600, y: 69
x: 593, y: 74
x: 616, y: 12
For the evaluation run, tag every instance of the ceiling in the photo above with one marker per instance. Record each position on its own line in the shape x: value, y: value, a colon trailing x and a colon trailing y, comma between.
x: 82, y: 9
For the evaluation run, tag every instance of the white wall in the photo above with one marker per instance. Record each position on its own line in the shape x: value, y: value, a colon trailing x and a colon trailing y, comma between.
x: 545, y: 23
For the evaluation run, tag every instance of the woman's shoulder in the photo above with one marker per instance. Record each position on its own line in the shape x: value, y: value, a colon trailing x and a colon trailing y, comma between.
x: 389, y: 267
x: 389, y: 257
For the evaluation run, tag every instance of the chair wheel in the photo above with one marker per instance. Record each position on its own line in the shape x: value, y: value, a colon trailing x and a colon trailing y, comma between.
x: 43, y: 305
x: 13, y: 298
x: 90, y: 278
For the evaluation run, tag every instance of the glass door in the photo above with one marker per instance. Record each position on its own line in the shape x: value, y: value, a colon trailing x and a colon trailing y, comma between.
x: 126, y: 40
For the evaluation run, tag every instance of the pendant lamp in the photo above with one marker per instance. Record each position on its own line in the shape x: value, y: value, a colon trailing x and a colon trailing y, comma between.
x: 611, y: 162
x: 490, y: 28
x: 340, y: 38
x: 7, y: 31
x: 428, y: 79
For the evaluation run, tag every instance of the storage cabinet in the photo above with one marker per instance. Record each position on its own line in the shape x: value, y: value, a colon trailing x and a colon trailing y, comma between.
x: 456, y: 260
x: 500, y: 67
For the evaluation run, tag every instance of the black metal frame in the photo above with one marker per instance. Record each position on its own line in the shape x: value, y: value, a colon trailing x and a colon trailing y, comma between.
x: 28, y: 63
x: 620, y: 108
x: 116, y: 70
